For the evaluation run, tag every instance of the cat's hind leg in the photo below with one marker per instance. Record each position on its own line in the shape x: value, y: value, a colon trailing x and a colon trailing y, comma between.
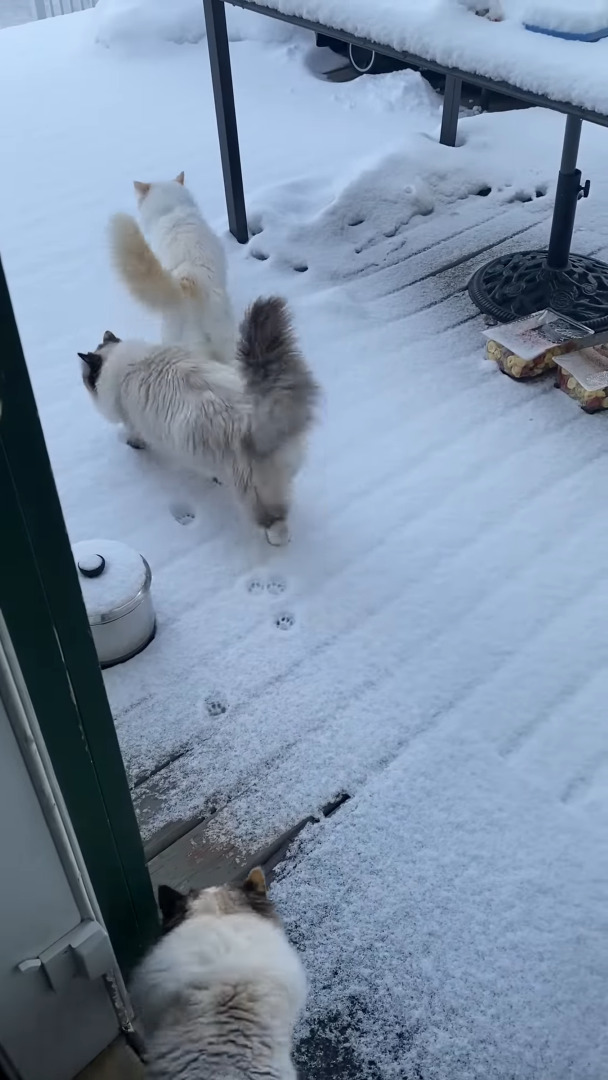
x: 269, y: 499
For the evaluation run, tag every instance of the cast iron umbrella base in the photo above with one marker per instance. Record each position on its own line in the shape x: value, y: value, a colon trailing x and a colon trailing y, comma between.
x: 521, y: 282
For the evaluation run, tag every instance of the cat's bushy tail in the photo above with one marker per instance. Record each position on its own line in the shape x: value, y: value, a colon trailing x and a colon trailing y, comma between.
x: 143, y: 274
x: 278, y: 378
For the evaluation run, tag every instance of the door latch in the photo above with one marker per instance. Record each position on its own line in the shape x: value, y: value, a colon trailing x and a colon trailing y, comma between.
x: 85, y: 951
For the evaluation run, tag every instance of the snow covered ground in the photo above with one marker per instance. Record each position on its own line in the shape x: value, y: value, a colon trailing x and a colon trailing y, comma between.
x: 434, y: 641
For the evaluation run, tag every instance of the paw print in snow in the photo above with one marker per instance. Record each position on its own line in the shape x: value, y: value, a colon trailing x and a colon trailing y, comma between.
x: 284, y: 622
x: 184, y: 515
x: 255, y: 587
x: 215, y: 706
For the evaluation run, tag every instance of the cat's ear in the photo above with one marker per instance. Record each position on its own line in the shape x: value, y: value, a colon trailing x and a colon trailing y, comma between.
x: 173, y: 906
x: 93, y: 361
x: 255, y: 883
x: 256, y: 894
x: 110, y: 338
x: 90, y: 372
x: 180, y: 179
x: 141, y: 190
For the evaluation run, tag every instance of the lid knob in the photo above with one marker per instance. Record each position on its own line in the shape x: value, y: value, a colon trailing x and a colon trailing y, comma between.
x: 91, y: 565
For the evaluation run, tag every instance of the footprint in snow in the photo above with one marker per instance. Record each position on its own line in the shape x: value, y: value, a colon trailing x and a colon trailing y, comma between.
x: 284, y: 622
x: 183, y: 514
x: 215, y: 706
x: 526, y: 196
x: 255, y: 587
x: 274, y: 586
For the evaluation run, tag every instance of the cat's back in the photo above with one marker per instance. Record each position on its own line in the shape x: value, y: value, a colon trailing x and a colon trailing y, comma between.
x: 188, y: 372
x: 180, y: 233
x: 219, y: 1002
x: 207, y: 1043
x: 187, y: 406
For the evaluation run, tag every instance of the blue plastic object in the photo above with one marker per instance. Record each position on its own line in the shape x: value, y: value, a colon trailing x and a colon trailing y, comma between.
x: 593, y: 35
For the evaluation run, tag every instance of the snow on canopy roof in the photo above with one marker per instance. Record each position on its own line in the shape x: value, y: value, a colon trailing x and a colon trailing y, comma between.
x: 446, y: 32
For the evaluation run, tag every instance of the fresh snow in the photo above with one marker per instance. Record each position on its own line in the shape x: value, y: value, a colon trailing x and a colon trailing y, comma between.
x: 450, y: 33
x: 138, y: 24
x: 434, y: 640
x: 454, y: 919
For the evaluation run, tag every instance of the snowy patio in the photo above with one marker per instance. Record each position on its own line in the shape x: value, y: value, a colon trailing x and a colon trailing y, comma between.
x: 434, y: 640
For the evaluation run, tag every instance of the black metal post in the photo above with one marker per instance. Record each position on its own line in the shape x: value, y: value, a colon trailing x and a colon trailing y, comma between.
x: 567, y: 195
x: 451, y: 109
x: 223, y: 94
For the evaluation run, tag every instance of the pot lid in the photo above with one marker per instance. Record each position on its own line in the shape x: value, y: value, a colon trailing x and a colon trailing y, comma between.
x: 111, y: 575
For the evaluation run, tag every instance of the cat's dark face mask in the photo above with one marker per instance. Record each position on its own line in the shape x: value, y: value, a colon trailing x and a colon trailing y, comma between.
x: 92, y: 362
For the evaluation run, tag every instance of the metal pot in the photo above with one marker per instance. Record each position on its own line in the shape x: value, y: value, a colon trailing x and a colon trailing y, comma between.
x: 115, y: 582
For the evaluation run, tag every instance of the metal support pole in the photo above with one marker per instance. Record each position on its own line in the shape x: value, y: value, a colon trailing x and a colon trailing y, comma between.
x: 567, y: 194
x: 451, y: 109
x: 223, y: 94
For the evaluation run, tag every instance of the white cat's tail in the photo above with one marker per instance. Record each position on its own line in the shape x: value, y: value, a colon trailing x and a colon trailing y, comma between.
x: 143, y: 274
x: 279, y: 381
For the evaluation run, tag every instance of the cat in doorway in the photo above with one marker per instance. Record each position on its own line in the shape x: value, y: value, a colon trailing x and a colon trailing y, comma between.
x: 219, y: 994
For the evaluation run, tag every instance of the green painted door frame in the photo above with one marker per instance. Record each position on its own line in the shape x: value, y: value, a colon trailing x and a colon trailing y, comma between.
x: 42, y: 605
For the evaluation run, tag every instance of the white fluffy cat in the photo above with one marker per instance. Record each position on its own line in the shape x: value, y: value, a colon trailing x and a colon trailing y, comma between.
x: 182, y: 274
x: 244, y: 422
x: 218, y: 996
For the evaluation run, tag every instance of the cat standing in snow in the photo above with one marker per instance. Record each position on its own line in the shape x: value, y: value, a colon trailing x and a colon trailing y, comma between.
x: 182, y: 274
x: 218, y: 996
x: 244, y: 422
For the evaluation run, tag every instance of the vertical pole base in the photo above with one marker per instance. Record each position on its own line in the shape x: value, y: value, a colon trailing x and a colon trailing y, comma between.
x: 566, y: 197
x: 564, y: 212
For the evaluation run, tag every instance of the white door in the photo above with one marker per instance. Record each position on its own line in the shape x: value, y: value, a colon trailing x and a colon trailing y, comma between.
x: 55, y: 1008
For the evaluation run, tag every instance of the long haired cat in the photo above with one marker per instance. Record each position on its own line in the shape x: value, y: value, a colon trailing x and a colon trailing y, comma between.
x: 245, y: 422
x: 218, y: 996
x: 182, y: 274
